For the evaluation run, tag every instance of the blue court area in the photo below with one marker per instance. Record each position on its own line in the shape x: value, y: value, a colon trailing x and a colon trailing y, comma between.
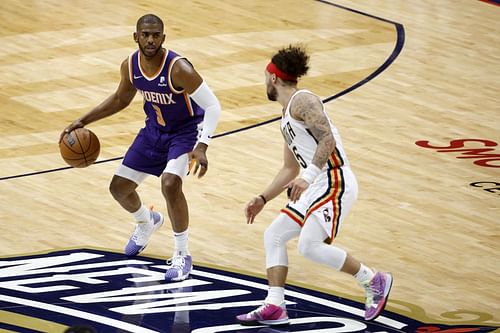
x: 110, y: 292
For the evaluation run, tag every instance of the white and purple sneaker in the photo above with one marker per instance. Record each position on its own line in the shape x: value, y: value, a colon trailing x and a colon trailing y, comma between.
x: 178, y: 268
x: 142, y: 233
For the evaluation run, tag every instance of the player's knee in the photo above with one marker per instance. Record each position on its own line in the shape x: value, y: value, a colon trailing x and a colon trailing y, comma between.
x: 113, y: 190
x: 280, y: 232
x: 120, y: 187
x: 306, y: 247
x: 171, y: 184
x: 269, y: 237
x: 272, y: 238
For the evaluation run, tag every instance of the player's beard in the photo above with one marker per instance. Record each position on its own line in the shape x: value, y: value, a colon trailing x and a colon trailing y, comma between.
x: 272, y: 93
x: 149, y: 55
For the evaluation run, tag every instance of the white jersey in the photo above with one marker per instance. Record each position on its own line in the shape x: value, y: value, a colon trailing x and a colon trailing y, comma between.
x: 302, y: 143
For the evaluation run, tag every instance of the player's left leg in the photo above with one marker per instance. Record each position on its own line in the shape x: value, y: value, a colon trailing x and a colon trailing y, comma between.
x: 181, y: 264
x: 273, y: 309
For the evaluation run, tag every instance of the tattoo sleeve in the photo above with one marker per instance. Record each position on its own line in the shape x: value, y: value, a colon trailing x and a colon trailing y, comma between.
x: 309, y: 109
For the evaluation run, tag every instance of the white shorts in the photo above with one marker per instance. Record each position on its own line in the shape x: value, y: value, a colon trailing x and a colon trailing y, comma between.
x: 329, y: 199
x: 178, y: 166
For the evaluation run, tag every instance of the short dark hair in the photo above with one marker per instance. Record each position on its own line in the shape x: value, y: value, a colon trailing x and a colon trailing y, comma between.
x: 293, y: 60
x: 149, y: 19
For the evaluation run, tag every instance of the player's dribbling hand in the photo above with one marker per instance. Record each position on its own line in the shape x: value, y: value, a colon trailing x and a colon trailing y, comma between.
x: 72, y: 126
x: 199, y: 160
x: 296, y: 188
x: 253, y: 208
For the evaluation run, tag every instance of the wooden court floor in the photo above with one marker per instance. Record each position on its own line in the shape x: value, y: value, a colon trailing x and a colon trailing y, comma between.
x: 428, y: 212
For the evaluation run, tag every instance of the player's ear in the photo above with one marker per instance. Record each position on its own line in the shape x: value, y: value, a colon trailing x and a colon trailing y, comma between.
x: 135, y: 37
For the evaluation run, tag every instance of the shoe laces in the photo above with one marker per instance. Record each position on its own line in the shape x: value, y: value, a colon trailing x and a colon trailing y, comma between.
x: 138, y: 231
x: 177, y: 262
x: 371, y: 292
x: 260, y: 309
x: 141, y: 231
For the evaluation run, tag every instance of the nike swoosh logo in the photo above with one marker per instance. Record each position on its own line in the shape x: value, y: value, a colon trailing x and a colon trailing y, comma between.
x: 137, y: 77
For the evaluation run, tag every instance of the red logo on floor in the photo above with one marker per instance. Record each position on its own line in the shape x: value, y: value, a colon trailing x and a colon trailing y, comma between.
x: 482, y: 156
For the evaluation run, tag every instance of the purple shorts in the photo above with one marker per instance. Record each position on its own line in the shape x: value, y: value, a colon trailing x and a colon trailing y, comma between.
x: 151, y: 149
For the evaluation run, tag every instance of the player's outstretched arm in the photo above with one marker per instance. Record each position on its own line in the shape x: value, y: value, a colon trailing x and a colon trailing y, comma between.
x: 287, y: 173
x: 119, y: 100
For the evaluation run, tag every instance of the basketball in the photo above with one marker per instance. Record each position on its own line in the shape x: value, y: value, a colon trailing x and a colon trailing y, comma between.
x: 80, y: 147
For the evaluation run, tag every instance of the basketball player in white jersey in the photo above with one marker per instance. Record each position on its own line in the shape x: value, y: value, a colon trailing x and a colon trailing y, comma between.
x: 322, y: 189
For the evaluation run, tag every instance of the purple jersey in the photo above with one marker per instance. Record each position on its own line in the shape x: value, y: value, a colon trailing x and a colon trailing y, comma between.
x: 167, y: 108
x: 172, y: 118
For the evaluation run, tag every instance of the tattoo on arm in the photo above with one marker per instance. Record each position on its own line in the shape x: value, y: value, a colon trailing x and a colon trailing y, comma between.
x: 309, y: 109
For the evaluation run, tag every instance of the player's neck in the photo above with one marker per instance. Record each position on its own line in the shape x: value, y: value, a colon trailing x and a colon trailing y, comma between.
x: 151, y: 64
x: 285, y: 94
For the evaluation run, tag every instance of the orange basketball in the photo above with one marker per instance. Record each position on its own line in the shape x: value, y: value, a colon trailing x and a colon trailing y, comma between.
x: 80, y: 147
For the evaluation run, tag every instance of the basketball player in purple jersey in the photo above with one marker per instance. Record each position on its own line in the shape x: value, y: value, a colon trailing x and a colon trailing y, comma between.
x: 322, y: 189
x: 177, y: 102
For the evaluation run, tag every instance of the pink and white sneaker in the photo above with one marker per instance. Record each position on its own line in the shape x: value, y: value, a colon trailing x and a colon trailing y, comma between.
x: 377, y: 291
x: 266, y: 314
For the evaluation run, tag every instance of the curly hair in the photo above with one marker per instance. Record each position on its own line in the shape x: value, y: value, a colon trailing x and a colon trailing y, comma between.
x: 293, y: 60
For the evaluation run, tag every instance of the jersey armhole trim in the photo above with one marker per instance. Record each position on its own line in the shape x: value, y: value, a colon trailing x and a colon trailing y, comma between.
x: 169, y: 74
x: 130, y: 68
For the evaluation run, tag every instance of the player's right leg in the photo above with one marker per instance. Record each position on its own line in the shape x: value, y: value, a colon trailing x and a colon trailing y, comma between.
x: 322, y: 225
x: 123, y: 188
x: 273, y: 309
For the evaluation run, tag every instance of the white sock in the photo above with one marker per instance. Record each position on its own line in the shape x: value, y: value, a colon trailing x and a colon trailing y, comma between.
x: 181, y: 243
x: 364, y: 274
x: 275, y: 295
x: 142, y: 214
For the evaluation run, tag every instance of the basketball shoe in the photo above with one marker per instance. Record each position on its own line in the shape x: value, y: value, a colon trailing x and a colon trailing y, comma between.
x: 142, y: 233
x: 178, y: 268
x: 376, y: 292
x: 266, y: 314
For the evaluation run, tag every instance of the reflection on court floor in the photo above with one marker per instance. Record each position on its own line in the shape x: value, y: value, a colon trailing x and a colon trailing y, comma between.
x: 114, y: 293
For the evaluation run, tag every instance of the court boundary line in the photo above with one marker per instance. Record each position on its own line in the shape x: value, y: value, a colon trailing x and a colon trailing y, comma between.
x: 398, y: 47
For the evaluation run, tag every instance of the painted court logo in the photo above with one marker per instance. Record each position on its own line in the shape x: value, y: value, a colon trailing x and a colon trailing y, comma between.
x: 114, y: 293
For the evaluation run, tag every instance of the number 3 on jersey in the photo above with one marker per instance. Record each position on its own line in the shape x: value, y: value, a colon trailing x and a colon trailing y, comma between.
x: 159, y: 116
x: 299, y: 158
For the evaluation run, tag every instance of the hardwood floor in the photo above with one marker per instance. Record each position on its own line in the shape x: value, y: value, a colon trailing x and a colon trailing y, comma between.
x: 417, y: 214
